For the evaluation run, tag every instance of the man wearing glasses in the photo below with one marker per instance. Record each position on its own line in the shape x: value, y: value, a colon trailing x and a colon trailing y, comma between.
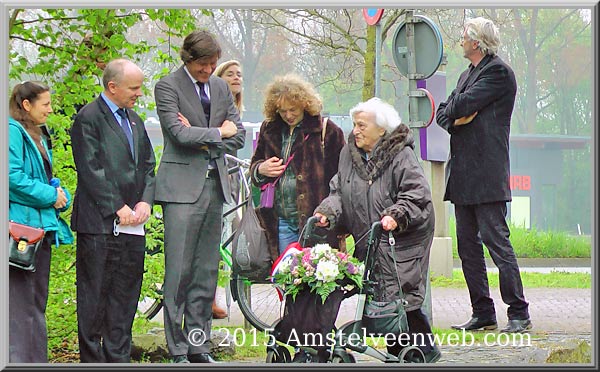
x: 477, y: 115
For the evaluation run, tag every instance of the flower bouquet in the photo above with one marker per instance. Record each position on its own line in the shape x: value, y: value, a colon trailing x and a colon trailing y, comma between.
x: 320, y: 269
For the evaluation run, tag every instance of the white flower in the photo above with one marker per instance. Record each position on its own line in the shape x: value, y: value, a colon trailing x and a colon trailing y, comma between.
x: 361, y: 269
x: 327, y: 271
x: 284, y: 268
x: 321, y: 249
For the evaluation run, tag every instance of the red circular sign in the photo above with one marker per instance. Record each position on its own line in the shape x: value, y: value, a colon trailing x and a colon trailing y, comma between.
x: 372, y: 15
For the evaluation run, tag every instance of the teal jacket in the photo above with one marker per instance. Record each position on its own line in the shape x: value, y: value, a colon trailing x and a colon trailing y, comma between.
x: 31, y: 197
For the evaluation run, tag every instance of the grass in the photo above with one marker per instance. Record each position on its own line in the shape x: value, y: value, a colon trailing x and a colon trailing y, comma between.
x: 530, y: 243
x: 533, y: 243
x: 555, y: 279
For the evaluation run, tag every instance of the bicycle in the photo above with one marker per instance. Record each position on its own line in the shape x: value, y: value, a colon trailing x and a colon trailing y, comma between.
x: 258, y: 302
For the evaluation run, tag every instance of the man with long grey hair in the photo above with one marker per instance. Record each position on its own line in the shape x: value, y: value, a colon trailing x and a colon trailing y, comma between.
x: 477, y: 115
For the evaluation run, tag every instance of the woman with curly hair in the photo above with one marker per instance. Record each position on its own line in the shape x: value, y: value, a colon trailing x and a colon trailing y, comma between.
x: 294, y: 133
x: 294, y: 129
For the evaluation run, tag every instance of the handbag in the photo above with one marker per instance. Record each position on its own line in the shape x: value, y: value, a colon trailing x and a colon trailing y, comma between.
x: 385, y: 317
x: 250, y: 254
x: 23, y: 243
x: 380, y: 317
x: 267, y: 194
x: 267, y: 191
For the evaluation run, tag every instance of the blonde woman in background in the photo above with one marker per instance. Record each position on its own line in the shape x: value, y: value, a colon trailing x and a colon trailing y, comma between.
x: 231, y: 72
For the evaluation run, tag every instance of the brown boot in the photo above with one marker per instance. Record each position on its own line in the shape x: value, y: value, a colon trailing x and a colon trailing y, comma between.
x: 217, y: 312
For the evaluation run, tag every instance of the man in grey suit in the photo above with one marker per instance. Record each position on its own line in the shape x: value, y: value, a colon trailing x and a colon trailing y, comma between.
x: 191, y: 185
x: 115, y: 180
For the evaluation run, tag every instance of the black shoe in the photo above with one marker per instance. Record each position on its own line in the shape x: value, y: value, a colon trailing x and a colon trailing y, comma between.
x: 180, y: 359
x: 517, y: 326
x: 477, y: 323
x: 433, y: 356
x: 201, y: 358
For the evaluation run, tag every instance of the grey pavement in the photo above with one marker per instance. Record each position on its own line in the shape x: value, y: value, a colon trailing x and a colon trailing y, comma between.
x: 552, y: 310
x: 558, y: 315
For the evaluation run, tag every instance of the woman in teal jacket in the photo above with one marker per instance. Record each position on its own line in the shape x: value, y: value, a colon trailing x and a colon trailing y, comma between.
x: 33, y: 202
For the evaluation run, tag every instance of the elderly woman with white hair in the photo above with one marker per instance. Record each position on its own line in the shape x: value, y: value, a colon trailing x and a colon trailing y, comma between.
x: 380, y: 179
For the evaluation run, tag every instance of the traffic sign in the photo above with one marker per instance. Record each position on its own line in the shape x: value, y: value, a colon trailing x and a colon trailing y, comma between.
x: 372, y: 15
x: 426, y: 109
x: 428, y: 54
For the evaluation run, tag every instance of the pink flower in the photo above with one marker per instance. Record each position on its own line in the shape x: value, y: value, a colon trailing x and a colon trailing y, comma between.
x: 342, y: 256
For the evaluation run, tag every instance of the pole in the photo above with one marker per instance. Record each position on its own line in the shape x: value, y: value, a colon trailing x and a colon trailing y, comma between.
x: 378, y: 59
x: 412, y: 66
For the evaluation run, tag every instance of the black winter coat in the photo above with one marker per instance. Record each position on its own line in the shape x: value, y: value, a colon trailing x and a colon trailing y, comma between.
x: 478, y: 170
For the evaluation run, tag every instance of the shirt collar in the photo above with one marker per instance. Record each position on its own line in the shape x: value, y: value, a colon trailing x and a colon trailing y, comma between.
x: 111, y: 105
x: 190, y: 75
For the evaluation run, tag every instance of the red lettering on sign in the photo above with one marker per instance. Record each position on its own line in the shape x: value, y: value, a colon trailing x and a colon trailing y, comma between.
x: 520, y: 183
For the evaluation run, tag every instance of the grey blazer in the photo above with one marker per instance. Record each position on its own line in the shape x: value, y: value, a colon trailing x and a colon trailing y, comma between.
x: 182, y: 170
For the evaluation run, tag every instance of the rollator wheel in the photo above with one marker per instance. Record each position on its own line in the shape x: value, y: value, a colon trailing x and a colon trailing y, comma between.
x: 343, y: 357
x: 278, y: 354
x: 411, y: 354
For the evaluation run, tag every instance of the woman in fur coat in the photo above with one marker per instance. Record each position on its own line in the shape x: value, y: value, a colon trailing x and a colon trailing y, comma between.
x: 294, y: 129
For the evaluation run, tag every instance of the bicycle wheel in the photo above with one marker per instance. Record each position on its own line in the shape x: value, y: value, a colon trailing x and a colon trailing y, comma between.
x: 258, y: 302
x: 154, y: 309
x: 278, y: 354
x: 343, y: 357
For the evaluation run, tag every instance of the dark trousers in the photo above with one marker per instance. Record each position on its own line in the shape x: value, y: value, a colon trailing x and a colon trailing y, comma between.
x: 28, y: 295
x: 109, y: 280
x: 192, y: 237
x: 487, y: 223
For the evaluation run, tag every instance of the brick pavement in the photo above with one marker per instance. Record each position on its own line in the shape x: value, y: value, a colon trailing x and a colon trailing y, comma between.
x: 567, y: 310
x: 563, y: 310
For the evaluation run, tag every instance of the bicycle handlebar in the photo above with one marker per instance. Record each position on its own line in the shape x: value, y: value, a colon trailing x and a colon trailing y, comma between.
x: 242, y: 162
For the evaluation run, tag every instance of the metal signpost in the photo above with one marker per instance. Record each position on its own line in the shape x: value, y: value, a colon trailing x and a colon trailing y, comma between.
x: 373, y: 16
x: 418, y: 64
x: 418, y: 53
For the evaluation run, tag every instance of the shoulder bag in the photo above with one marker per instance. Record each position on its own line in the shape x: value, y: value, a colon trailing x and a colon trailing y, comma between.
x: 250, y: 254
x: 267, y: 191
x: 381, y: 317
x: 23, y: 243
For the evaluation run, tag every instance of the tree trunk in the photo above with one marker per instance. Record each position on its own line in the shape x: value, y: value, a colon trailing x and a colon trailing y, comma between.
x: 369, y: 77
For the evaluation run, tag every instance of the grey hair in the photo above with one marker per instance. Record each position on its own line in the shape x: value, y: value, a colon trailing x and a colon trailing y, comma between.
x: 485, y: 32
x: 386, y: 116
x: 115, y: 71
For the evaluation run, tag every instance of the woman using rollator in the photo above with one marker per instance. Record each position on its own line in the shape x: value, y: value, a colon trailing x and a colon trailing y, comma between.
x: 379, y: 178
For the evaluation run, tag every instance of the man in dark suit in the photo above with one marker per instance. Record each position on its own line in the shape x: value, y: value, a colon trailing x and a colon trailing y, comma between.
x: 477, y: 115
x: 192, y: 184
x: 115, y: 181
